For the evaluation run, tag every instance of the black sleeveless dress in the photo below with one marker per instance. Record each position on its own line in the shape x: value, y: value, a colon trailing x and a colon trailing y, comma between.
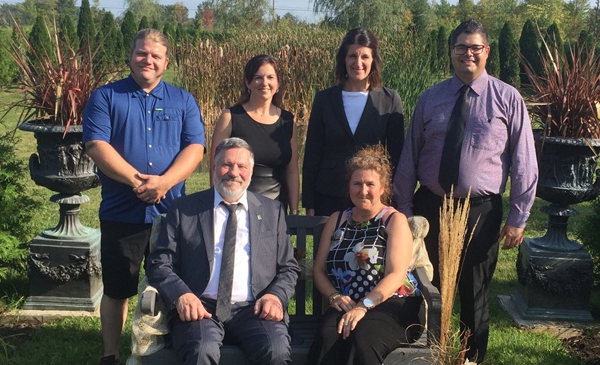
x: 271, y: 144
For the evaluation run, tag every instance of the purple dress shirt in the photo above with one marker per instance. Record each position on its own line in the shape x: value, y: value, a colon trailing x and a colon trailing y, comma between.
x: 498, y: 141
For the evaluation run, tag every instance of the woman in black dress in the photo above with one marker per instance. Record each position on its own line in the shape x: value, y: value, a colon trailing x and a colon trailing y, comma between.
x: 270, y: 130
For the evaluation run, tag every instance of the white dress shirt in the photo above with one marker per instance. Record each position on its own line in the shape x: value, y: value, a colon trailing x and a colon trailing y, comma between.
x: 241, y: 273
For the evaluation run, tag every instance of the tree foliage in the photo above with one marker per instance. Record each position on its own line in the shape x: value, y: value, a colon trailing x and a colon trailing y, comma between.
x: 67, y: 32
x: 492, y: 65
x: 86, y: 30
x: 553, y: 38
x: 150, y: 9
x: 235, y: 13
x: 40, y: 41
x: 509, y: 60
x: 66, y: 7
x: 530, y: 49
x: 129, y: 30
x: 143, y: 23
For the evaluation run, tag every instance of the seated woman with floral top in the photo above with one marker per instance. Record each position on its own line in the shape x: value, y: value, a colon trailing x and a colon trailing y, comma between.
x: 362, y: 267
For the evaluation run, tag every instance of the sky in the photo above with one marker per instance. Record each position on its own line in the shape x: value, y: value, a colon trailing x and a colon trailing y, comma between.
x: 302, y: 9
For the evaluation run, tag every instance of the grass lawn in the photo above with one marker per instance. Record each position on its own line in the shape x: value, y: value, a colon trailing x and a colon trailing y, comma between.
x: 78, y: 340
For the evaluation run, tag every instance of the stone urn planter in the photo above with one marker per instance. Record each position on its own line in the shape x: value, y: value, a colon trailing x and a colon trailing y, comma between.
x: 64, y: 261
x: 555, y: 273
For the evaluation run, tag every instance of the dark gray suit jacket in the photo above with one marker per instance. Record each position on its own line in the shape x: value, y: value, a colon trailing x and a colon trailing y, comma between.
x: 330, y: 142
x: 183, y: 258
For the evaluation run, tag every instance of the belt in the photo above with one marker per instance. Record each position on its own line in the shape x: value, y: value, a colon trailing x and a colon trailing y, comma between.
x: 474, y: 200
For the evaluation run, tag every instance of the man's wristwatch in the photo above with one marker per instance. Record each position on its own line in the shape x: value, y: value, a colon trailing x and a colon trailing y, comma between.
x: 368, y: 303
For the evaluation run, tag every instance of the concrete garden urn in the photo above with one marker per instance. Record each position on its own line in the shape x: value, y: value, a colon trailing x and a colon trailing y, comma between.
x: 64, y: 261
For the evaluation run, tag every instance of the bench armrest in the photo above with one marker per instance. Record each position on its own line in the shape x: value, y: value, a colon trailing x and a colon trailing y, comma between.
x: 148, y: 302
x: 431, y: 294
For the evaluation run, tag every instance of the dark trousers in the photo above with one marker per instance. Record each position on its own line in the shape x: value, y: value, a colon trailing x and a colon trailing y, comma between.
x: 383, y: 329
x: 263, y: 342
x: 478, y: 264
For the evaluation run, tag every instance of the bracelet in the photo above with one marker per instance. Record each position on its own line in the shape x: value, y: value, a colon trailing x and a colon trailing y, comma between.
x: 333, y: 296
x: 294, y: 212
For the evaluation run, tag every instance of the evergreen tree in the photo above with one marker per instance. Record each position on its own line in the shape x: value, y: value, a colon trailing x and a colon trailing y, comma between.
x: 180, y: 39
x: 492, y: 65
x: 110, y: 47
x: 67, y: 32
x: 180, y: 34
x: 85, y: 26
x: 155, y: 25
x: 530, y: 50
x: 169, y: 32
x: 509, y: 61
x: 443, y: 51
x: 120, y: 58
x: 553, y: 38
x: 40, y: 42
x: 144, y: 23
x: 465, y: 9
x: 128, y: 30
x: 66, y: 7
x: 432, y: 50
x: 102, y: 59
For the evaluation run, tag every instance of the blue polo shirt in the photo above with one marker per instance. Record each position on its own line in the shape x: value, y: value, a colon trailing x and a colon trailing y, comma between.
x: 148, y: 130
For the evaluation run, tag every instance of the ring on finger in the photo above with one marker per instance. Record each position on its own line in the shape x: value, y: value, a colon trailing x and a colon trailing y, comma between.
x: 346, y: 323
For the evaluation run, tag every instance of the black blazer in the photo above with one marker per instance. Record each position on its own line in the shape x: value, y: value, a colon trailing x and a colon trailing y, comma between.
x: 330, y: 142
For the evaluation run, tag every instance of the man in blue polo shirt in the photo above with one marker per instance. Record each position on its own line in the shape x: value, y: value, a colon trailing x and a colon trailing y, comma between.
x: 146, y: 137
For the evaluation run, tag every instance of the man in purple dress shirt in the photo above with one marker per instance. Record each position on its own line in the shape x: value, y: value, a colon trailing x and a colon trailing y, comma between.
x: 498, y: 141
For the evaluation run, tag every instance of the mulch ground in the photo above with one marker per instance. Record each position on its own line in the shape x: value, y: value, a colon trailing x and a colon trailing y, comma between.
x: 586, y: 348
x: 17, y: 333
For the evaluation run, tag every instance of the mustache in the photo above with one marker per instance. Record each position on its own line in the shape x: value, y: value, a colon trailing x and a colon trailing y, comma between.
x: 232, y: 178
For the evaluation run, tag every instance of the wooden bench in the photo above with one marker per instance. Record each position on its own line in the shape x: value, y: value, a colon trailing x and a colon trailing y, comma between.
x: 304, y: 322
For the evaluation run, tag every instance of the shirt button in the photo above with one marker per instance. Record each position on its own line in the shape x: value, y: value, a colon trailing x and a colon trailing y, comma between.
x: 148, y: 111
x: 149, y: 129
x: 150, y: 163
x: 149, y: 146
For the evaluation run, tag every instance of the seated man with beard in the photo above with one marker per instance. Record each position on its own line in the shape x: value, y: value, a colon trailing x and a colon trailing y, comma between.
x: 224, y: 264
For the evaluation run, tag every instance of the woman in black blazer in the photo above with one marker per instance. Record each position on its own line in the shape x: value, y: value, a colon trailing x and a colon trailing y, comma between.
x: 357, y: 112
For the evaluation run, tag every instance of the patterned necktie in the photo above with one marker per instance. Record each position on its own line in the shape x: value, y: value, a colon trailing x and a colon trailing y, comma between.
x: 227, y: 261
x: 450, y: 162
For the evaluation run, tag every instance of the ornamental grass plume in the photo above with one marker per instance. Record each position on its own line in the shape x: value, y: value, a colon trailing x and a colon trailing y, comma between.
x: 452, y: 246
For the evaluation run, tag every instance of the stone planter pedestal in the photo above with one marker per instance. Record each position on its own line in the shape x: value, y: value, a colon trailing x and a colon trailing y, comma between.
x: 63, y: 264
x: 555, y: 273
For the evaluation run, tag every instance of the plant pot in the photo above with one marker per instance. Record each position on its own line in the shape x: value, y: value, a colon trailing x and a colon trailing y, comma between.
x: 555, y: 273
x: 63, y: 264
x: 60, y: 163
x: 567, y: 168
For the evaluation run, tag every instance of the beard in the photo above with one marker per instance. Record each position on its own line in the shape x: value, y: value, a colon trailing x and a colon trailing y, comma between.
x: 227, y: 192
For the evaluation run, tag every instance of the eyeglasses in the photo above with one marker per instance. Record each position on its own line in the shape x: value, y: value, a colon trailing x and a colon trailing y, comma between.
x: 462, y: 49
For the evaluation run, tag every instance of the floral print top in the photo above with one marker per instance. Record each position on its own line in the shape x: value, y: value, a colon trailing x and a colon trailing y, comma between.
x: 356, y: 260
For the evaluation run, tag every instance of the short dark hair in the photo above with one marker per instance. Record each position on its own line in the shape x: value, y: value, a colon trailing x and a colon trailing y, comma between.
x: 365, y: 38
x: 250, y: 70
x: 233, y: 142
x: 470, y: 26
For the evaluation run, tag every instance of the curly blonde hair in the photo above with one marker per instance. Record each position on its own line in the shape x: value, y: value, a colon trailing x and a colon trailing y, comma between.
x: 376, y: 158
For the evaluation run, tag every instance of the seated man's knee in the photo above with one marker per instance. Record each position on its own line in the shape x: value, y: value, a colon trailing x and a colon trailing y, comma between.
x: 205, y: 352
x: 277, y: 351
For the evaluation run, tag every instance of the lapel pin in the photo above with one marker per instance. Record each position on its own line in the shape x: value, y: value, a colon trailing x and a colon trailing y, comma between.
x: 259, y: 217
